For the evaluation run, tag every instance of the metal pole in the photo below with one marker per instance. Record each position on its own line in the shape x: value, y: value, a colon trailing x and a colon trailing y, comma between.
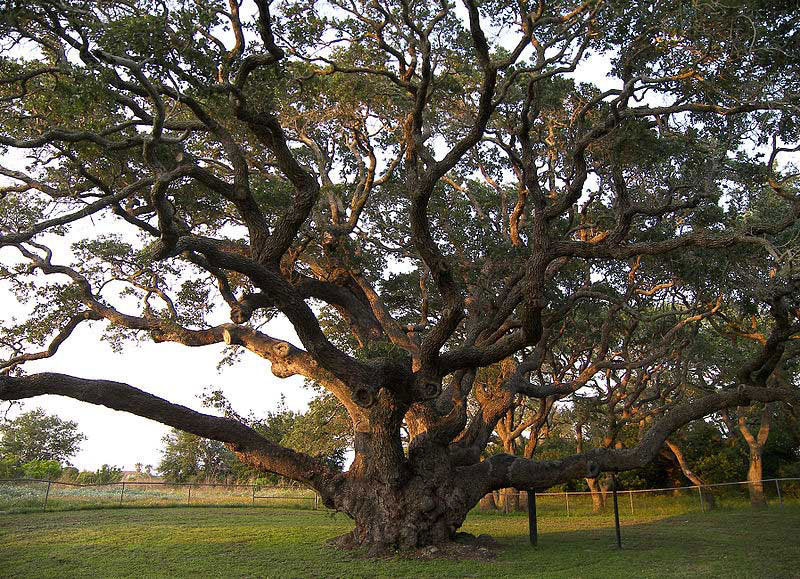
x: 122, y: 494
x: 254, y: 494
x: 630, y: 494
x: 778, y: 488
x: 616, y: 511
x: 702, y: 504
x: 189, y: 500
x: 566, y: 498
x: 46, y: 496
x: 533, y: 530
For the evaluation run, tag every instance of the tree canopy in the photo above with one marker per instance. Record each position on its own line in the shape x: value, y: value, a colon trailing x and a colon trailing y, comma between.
x: 461, y: 209
x: 38, y: 436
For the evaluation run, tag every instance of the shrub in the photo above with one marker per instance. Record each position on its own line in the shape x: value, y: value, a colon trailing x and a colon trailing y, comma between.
x: 9, y: 467
x: 69, y: 474
x: 104, y: 475
x: 42, y: 469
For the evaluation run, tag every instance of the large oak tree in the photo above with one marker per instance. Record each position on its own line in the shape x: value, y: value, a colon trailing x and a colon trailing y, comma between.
x: 423, y: 190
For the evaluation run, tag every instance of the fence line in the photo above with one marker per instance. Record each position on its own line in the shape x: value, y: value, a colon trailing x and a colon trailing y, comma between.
x: 73, y: 493
x: 14, y: 495
x: 663, y: 489
x: 664, y: 500
x: 144, y: 482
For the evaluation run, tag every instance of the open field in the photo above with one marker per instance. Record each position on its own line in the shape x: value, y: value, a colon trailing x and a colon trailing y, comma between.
x: 273, y: 542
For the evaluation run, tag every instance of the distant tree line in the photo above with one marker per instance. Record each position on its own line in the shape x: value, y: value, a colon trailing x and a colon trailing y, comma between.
x: 39, y: 445
x: 322, y: 431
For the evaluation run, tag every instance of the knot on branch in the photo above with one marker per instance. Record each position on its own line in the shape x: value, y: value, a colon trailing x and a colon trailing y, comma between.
x: 162, y: 249
x: 363, y: 396
x: 427, y: 388
x: 241, y: 313
x: 282, y: 349
x: 282, y: 370
x: 158, y: 336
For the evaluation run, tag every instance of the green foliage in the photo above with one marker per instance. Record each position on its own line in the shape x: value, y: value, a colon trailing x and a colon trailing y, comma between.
x: 42, y: 469
x: 323, y: 431
x: 35, y: 435
x: 10, y: 467
x: 69, y: 474
x: 187, y: 457
x: 104, y: 475
x: 684, y: 172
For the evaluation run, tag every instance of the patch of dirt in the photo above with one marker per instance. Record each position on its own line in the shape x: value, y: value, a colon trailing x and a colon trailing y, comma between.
x: 465, y: 546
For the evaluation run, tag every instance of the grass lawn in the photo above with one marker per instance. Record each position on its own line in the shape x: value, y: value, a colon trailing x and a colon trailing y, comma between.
x: 272, y: 542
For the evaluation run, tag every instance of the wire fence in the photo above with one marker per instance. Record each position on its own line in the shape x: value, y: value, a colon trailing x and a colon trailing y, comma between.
x: 663, y: 501
x: 20, y: 495
x: 36, y: 494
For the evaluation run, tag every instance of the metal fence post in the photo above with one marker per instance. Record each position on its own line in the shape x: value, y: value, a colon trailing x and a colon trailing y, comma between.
x: 778, y: 488
x: 533, y: 529
x: 616, y: 511
x: 702, y: 504
x: 189, y: 500
x: 46, y: 495
x: 566, y: 499
x: 122, y: 494
x: 254, y: 494
x: 630, y: 495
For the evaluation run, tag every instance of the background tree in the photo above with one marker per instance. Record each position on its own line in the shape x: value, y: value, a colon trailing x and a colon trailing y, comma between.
x: 322, y: 431
x: 42, y: 469
x: 38, y: 436
x: 103, y: 475
x: 422, y: 191
x: 187, y: 457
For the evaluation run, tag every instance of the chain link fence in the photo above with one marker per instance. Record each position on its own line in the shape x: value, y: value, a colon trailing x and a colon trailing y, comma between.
x: 33, y: 494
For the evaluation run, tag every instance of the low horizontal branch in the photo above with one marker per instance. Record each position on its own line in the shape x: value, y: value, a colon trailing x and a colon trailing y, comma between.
x: 120, y: 396
x: 503, y: 470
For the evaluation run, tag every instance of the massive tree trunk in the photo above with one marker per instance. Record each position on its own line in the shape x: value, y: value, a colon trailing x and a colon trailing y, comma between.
x: 418, y: 513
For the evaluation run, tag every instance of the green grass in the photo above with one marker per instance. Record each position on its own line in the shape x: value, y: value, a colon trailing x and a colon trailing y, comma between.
x: 258, y: 542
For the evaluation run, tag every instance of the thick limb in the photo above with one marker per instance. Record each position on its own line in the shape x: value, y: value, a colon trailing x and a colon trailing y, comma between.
x: 243, y: 440
x: 503, y: 470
